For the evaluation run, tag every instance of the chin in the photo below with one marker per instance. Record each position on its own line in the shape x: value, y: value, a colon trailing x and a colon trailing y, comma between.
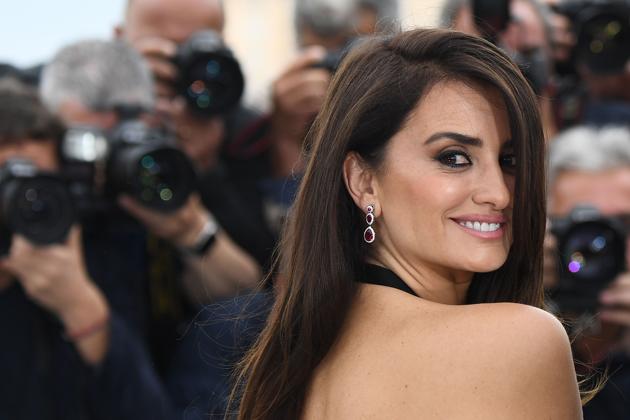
x: 487, y: 264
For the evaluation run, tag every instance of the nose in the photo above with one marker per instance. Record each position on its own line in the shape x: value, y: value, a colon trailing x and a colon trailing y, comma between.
x: 494, y: 188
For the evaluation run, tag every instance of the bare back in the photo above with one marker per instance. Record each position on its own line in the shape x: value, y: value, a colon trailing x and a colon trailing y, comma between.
x: 401, y: 357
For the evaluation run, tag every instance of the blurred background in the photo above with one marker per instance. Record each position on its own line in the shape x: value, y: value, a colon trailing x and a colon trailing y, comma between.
x: 261, y: 30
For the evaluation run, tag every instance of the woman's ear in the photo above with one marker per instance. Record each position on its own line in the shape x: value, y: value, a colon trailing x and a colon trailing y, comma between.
x: 360, y: 181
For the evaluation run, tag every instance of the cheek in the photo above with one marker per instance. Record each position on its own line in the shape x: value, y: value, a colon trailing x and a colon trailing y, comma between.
x: 423, y: 202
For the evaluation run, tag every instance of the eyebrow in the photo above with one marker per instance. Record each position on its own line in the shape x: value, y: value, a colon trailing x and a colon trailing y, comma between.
x: 458, y: 137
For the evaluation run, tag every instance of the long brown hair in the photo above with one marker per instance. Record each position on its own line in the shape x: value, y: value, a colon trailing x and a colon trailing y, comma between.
x: 377, y: 86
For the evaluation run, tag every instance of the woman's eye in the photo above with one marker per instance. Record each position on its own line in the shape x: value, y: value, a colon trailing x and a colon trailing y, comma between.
x: 454, y: 159
x: 508, y: 161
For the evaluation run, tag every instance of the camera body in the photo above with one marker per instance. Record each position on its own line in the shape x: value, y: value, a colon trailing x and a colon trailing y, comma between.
x: 602, y: 29
x: 592, y: 252
x: 210, y: 78
x: 132, y: 159
x: 491, y: 17
x: 35, y: 204
x: 331, y: 60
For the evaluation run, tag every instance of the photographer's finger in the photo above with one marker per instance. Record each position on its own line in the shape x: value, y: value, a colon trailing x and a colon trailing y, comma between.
x: 136, y: 210
x: 619, y: 316
x: 20, y: 245
x: 615, y: 297
x: 74, y: 237
x: 153, y: 46
x: 164, y: 89
x: 12, y: 265
x: 622, y: 281
x: 308, y: 78
x: 308, y: 58
x: 163, y: 70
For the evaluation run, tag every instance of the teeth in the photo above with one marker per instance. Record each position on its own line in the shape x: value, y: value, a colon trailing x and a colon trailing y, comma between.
x: 481, y: 226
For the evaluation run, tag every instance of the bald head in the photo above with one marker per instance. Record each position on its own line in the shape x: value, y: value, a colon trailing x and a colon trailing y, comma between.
x: 175, y: 20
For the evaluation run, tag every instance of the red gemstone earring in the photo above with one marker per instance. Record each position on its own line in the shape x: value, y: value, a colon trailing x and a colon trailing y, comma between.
x: 369, y: 235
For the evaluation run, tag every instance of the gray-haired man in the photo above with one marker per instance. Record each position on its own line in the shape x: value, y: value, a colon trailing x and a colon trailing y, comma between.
x: 591, y: 167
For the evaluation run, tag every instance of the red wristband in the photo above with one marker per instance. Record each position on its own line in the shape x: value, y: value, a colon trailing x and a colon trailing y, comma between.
x: 87, y: 331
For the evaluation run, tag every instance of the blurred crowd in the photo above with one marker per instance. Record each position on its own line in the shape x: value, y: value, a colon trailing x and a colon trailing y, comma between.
x: 141, y: 200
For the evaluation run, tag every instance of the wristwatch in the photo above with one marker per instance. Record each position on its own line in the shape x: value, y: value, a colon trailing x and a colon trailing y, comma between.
x: 205, y: 239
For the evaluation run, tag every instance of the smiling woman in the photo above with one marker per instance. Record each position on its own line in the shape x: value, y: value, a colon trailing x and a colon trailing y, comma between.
x: 432, y: 139
x: 453, y: 164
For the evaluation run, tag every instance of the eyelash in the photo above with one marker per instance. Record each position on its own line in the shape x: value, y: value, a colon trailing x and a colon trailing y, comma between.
x: 450, y: 157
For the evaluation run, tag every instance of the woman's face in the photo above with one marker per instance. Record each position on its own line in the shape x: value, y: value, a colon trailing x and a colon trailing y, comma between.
x: 445, y: 189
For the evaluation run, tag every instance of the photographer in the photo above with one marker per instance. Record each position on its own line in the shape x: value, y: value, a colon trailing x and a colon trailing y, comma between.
x: 323, y: 28
x: 592, y: 59
x: 523, y: 28
x: 586, y: 261
x: 70, y: 312
x: 224, y: 139
x: 96, y: 83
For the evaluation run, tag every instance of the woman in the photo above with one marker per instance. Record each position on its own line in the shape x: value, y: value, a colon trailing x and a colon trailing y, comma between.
x: 420, y: 210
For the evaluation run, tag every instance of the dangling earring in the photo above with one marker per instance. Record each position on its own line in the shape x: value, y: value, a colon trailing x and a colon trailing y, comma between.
x: 369, y: 235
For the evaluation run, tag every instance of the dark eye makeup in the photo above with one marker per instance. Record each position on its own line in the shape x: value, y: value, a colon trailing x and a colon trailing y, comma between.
x: 454, y: 159
x: 457, y: 159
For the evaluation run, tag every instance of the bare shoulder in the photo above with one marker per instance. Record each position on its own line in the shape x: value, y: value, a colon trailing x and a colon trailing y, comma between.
x: 518, y: 329
x: 515, y: 361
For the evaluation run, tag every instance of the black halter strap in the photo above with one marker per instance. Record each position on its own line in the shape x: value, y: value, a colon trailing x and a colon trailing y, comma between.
x: 380, y: 276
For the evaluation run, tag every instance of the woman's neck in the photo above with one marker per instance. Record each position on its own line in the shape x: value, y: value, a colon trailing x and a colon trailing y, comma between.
x: 433, y: 283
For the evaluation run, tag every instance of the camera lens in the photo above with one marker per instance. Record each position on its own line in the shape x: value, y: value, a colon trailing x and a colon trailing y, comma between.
x: 603, y: 42
x: 213, y: 84
x: 593, y: 252
x: 40, y: 208
x: 211, y: 80
x: 163, y: 179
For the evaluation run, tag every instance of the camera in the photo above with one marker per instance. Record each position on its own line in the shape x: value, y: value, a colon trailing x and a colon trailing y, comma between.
x: 210, y: 78
x: 491, y: 17
x: 132, y: 158
x: 602, y: 31
x: 34, y: 204
x: 331, y: 60
x: 333, y: 57
x: 592, y: 252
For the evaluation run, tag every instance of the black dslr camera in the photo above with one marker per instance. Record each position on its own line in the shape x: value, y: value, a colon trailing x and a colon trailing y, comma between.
x: 333, y: 57
x: 210, y: 77
x: 491, y: 17
x: 35, y: 204
x: 602, y: 29
x: 331, y: 60
x: 592, y: 252
x: 133, y: 159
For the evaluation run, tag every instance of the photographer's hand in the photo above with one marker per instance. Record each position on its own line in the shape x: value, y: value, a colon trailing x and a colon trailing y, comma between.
x: 616, y: 301
x: 199, y: 137
x: 180, y: 227
x: 550, y: 258
x: 297, y: 96
x: 615, y: 320
x: 222, y: 270
x: 159, y: 54
x: 55, y: 277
